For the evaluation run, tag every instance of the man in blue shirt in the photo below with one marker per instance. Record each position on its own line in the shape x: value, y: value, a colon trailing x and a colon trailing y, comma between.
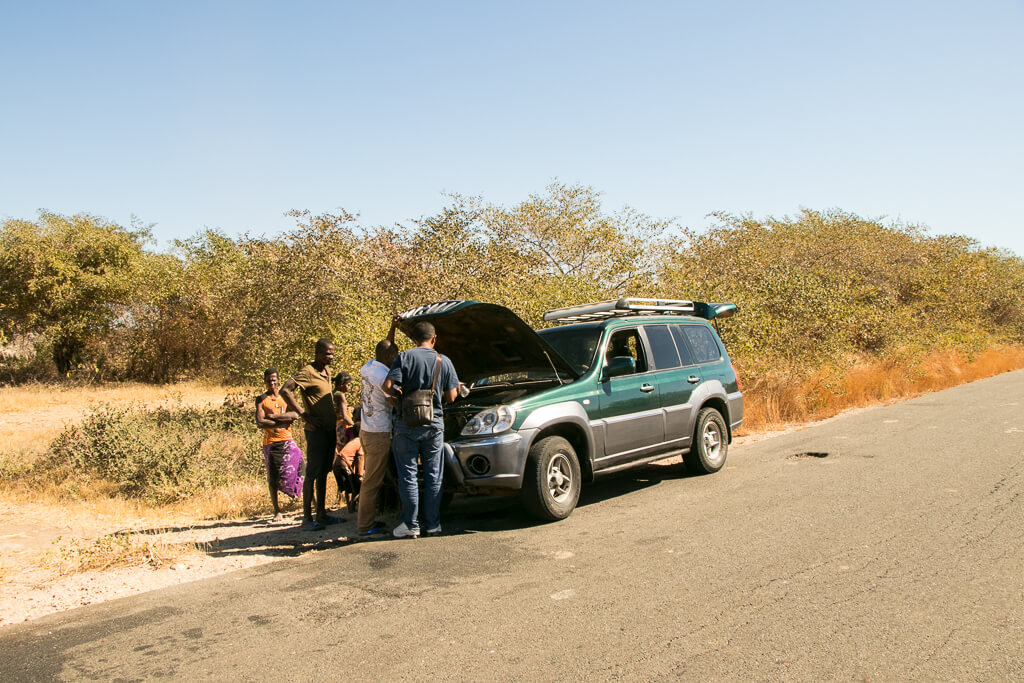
x: 411, y: 371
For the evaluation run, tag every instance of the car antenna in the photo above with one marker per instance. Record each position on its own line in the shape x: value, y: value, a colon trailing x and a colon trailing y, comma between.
x: 552, y: 363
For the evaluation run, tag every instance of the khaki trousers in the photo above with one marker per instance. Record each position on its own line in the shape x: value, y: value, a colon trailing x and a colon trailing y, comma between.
x: 376, y: 451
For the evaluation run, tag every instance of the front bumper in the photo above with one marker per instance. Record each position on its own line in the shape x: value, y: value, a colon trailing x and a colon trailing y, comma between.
x: 506, y: 455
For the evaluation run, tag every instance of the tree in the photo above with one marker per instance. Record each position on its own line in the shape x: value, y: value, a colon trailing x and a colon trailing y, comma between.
x: 66, y: 278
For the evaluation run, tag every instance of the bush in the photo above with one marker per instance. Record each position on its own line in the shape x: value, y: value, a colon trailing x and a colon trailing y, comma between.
x: 161, y: 454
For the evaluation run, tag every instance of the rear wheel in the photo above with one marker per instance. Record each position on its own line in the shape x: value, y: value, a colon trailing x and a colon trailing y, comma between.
x: 710, y: 443
x: 551, y: 483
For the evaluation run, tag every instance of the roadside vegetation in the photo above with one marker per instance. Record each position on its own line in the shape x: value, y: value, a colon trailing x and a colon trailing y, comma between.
x: 836, y: 311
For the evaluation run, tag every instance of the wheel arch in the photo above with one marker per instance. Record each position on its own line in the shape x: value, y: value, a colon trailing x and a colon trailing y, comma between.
x: 577, y: 438
x: 569, y: 420
x: 722, y: 406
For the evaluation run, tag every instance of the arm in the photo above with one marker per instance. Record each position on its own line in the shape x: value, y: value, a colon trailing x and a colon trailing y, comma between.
x: 392, y: 392
x: 451, y: 381
x: 261, y: 418
x: 343, y: 414
x: 289, y: 399
x: 286, y: 418
x: 394, y: 326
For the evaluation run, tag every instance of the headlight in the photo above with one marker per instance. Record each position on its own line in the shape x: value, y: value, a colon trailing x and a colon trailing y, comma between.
x: 490, y: 421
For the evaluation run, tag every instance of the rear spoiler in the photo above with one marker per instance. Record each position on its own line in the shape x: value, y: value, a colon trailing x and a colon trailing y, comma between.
x: 719, y: 311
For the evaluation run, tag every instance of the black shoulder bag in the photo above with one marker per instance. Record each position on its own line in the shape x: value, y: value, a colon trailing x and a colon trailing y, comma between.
x: 418, y: 406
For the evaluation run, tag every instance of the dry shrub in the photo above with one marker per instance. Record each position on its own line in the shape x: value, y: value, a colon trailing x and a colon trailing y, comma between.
x: 117, y: 551
x: 771, y: 400
x: 777, y: 399
x: 161, y: 455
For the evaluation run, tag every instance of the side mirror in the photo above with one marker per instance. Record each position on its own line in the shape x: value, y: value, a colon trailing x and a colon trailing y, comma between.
x: 620, y: 365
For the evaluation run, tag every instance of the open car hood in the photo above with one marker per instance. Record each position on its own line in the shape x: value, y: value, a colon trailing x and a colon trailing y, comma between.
x: 484, y: 340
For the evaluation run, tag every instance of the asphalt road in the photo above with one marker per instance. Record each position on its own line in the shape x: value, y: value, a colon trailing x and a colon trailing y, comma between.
x: 886, y: 545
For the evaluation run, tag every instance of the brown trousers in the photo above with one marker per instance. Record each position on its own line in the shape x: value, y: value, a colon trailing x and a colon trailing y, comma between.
x: 376, y: 451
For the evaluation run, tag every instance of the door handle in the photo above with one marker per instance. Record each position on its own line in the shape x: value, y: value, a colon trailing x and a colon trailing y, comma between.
x: 647, y: 388
x: 693, y: 379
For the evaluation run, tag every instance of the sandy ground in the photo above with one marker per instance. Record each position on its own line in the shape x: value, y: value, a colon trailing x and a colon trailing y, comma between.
x: 31, y: 536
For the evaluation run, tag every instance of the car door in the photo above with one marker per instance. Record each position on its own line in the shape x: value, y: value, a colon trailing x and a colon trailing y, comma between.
x: 677, y: 378
x: 630, y: 408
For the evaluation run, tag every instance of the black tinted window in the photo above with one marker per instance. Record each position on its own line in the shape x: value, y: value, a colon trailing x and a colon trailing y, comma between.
x: 705, y: 348
x: 663, y: 349
x: 684, y: 350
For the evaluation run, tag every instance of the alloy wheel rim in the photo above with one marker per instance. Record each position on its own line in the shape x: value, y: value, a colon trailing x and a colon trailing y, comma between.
x: 712, y: 438
x: 559, y: 478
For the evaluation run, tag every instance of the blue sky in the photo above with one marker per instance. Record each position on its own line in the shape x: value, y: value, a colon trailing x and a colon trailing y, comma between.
x: 228, y: 114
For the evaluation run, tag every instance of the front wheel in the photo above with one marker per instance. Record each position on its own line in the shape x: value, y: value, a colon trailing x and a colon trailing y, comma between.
x: 710, y: 443
x: 551, y: 483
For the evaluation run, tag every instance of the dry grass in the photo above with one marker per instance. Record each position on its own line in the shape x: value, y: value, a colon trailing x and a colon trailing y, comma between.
x: 31, y: 415
x: 242, y: 499
x: 116, y: 551
x: 773, y: 401
x: 98, y: 498
x: 24, y: 397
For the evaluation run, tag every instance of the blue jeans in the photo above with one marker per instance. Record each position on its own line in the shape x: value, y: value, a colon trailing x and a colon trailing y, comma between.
x: 422, y: 444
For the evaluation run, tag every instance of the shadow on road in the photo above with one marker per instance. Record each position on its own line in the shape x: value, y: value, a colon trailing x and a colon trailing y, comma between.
x: 467, y: 514
x: 480, y: 514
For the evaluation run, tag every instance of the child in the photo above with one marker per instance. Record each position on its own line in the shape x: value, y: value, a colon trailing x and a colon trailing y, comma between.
x: 347, y: 463
x: 282, y: 457
x: 348, y: 466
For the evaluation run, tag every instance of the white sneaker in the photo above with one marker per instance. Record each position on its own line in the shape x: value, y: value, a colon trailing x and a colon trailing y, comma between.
x: 402, y: 531
x: 434, y: 531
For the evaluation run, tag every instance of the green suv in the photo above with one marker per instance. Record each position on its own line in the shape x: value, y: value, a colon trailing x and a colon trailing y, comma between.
x: 615, y: 384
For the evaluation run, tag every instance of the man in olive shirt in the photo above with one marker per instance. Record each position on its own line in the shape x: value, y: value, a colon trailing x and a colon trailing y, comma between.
x: 314, y: 383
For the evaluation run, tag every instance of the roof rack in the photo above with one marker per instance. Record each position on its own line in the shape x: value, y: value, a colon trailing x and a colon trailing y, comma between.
x: 603, y: 310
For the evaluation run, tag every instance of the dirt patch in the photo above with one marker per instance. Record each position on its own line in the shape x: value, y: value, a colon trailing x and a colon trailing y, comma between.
x: 36, y: 543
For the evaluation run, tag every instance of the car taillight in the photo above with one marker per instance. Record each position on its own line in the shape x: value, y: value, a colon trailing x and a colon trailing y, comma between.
x: 737, y: 376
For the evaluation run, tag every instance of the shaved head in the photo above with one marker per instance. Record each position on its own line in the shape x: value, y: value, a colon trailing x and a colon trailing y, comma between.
x: 385, y: 352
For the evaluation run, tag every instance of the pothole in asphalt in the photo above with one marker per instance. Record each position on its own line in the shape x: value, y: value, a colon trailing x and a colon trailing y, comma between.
x: 808, y: 454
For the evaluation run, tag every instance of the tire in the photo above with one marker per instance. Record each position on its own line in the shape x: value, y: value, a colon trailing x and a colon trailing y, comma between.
x: 710, y: 443
x: 552, y: 481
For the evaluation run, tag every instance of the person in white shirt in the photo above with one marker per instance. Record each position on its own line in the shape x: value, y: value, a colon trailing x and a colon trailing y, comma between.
x: 375, y: 432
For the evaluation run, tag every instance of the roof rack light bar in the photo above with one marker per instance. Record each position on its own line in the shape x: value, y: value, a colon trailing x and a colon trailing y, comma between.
x: 621, y: 307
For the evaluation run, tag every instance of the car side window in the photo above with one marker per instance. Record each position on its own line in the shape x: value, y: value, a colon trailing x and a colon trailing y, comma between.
x: 705, y: 348
x: 684, y: 349
x: 627, y: 343
x: 663, y: 349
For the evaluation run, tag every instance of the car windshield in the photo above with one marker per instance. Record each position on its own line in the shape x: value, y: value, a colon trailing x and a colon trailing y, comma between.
x: 577, y: 344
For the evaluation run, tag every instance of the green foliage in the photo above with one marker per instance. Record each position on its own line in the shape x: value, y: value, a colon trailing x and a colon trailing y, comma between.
x: 160, y: 454
x: 228, y: 308
x: 815, y: 289
x: 66, y: 279
x: 827, y: 286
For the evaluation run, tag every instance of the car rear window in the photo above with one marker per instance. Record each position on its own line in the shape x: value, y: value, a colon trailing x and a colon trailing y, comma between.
x: 705, y: 348
x: 662, y: 347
